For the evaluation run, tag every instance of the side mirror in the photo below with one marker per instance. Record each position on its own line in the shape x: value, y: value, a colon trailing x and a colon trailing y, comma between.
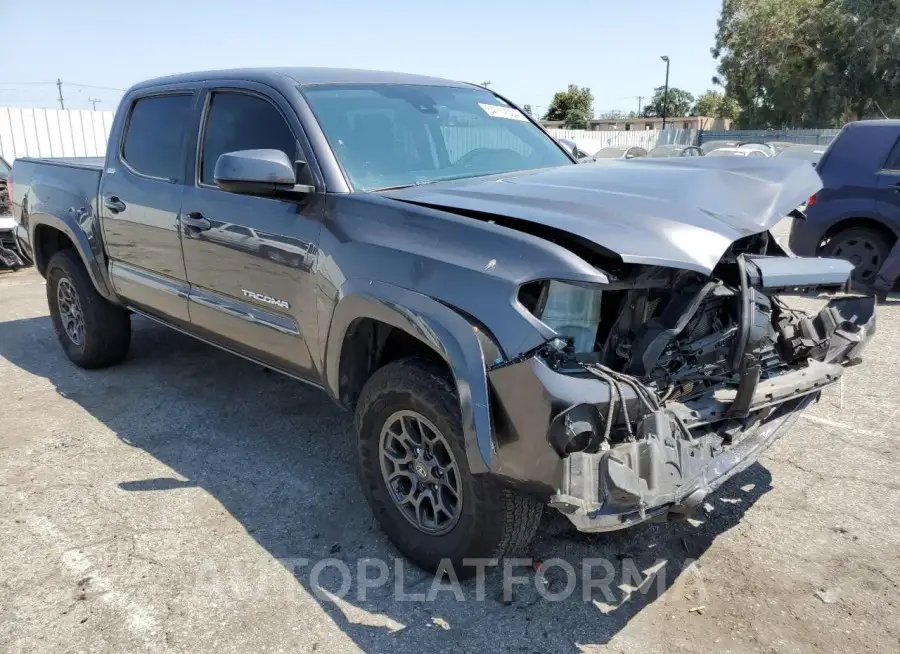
x: 570, y: 146
x: 257, y: 172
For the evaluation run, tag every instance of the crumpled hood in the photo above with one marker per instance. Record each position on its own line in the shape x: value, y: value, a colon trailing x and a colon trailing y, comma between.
x: 678, y: 212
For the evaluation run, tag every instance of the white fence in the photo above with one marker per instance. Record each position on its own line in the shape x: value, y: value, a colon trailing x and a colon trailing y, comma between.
x: 83, y: 133
x: 53, y: 132
x: 647, y: 139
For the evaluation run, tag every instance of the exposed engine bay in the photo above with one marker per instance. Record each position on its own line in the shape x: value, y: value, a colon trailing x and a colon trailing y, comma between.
x: 696, y: 371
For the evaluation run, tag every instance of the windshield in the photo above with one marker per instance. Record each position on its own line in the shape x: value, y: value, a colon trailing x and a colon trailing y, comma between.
x: 388, y: 135
x: 610, y: 153
x: 709, y: 146
x: 809, y: 153
x: 666, y: 151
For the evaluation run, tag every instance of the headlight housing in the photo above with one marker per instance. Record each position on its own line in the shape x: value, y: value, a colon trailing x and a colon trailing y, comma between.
x: 571, y: 310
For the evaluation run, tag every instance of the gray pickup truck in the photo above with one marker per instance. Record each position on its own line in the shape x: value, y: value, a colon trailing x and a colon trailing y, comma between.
x: 513, y: 331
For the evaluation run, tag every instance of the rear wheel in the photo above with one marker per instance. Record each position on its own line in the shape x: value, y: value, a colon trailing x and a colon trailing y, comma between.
x: 93, y: 332
x: 414, y: 472
x: 864, y: 247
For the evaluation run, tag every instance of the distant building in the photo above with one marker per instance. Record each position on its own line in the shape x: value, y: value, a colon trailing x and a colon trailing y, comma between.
x: 640, y: 124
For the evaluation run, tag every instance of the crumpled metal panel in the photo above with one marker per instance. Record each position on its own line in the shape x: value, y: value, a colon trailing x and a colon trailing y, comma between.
x: 678, y: 212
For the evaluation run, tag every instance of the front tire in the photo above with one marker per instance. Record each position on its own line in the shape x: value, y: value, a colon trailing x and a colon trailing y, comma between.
x: 410, y: 447
x: 93, y: 332
x: 864, y: 247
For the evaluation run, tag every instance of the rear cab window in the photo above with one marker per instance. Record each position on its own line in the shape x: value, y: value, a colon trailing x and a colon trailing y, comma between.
x: 154, y: 135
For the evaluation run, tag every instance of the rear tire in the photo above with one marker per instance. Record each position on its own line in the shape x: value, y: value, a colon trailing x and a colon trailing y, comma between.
x: 93, y: 332
x: 865, y: 247
x: 490, y: 521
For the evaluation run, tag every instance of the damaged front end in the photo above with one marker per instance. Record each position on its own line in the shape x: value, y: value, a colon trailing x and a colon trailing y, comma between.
x: 665, y: 383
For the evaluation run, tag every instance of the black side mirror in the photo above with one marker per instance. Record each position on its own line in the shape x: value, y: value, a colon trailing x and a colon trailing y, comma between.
x: 257, y: 172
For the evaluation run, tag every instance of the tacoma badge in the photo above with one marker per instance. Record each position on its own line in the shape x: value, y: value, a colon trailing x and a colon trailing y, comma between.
x: 265, y: 298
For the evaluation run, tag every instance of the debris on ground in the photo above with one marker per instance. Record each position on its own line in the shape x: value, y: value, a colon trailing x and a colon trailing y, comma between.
x: 827, y: 596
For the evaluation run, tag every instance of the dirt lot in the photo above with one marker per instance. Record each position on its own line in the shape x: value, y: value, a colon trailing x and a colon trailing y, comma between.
x: 165, y: 505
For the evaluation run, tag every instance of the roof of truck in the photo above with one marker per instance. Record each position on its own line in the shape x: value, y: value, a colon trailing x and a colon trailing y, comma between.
x: 303, y: 76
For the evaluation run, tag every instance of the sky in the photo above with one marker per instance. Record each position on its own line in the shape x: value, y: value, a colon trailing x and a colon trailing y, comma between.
x: 528, y: 51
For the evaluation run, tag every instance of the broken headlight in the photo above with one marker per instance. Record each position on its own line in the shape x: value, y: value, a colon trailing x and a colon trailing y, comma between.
x: 571, y: 310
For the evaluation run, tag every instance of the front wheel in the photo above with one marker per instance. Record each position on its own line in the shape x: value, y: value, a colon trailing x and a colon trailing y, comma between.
x: 93, y: 332
x: 864, y: 247
x: 414, y: 473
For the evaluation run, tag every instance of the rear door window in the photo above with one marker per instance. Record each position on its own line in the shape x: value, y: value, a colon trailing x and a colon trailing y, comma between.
x: 155, y: 135
x: 240, y: 121
x: 893, y: 160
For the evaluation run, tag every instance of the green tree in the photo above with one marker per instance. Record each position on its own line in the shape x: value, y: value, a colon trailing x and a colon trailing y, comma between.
x: 716, y: 105
x: 809, y: 63
x: 679, y: 102
x: 576, y: 119
x: 574, y: 97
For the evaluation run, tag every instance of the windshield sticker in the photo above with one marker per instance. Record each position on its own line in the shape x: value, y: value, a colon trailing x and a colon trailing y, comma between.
x: 496, y: 111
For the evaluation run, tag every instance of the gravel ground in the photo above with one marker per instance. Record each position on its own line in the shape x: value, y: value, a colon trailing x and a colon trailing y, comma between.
x: 166, y: 504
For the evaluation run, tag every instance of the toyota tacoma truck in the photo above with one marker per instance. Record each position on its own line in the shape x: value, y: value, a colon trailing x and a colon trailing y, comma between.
x: 512, y: 331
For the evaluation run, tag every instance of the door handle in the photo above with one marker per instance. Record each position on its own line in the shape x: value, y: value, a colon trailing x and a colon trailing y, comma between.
x: 195, y: 220
x: 114, y: 204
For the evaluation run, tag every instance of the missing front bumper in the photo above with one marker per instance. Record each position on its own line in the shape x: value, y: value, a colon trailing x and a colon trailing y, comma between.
x: 662, y: 470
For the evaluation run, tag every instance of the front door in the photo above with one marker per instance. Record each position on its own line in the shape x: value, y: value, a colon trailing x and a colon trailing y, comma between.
x: 248, y: 259
x: 140, y: 198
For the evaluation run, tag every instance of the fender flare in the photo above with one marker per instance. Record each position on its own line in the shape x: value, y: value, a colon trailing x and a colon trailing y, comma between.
x: 444, y: 330
x: 70, y: 225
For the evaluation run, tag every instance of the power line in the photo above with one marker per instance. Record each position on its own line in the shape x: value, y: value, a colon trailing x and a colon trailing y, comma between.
x: 84, y: 86
x: 94, y: 86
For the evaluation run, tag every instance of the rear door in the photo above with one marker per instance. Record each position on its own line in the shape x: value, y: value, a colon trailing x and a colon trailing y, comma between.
x: 889, y: 189
x: 249, y: 262
x: 140, y: 199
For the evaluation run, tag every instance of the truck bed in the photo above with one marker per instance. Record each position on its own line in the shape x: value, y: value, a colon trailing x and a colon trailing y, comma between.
x: 93, y: 163
x: 66, y: 183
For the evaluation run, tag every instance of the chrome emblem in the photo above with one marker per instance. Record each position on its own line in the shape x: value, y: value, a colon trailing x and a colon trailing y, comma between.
x: 259, y: 297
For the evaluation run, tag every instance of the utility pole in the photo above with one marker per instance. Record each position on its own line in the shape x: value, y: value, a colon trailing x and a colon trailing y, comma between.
x: 666, y: 92
x: 62, y: 105
x: 640, y: 99
x: 94, y: 102
x: 486, y: 83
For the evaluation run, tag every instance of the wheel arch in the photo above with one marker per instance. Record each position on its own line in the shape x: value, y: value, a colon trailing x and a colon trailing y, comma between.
x: 370, y: 316
x: 859, y: 221
x: 49, y: 234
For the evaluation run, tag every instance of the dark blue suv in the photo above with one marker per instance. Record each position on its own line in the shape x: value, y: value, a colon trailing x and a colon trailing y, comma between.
x: 856, y: 216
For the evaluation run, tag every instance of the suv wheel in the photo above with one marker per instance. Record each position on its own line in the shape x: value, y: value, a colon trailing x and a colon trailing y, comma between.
x: 864, y: 247
x: 416, y: 478
x: 93, y: 332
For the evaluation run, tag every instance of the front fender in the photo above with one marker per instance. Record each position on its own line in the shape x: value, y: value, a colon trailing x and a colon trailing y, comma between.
x: 444, y: 330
